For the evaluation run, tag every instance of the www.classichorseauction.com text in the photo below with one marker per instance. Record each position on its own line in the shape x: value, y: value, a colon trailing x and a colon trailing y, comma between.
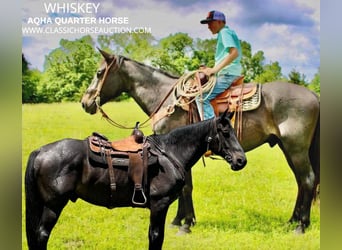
x: 66, y: 18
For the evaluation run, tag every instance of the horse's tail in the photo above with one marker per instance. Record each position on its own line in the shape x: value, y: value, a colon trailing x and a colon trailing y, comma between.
x: 34, y: 206
x: 314, y: 154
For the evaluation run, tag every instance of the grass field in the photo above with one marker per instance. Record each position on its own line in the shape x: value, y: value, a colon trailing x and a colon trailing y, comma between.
x: 248, y: 209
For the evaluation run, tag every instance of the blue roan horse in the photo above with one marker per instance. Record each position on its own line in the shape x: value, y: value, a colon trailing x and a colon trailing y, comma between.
x: 288, y: 116
x: 62, y: 171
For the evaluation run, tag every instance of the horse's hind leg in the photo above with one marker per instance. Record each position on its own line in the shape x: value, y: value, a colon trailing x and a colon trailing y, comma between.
x: 185, y: 207
x: 39, y: 218
x: 306, y: 191
x: 305, y: 177
x: 38, y: 236
x: 41, y: 215
x: 177, y: 221
x: 48, y: 221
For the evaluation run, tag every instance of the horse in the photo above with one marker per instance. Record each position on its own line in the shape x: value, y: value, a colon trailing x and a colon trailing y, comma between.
x: 62, y: 171
x: 288, y: 116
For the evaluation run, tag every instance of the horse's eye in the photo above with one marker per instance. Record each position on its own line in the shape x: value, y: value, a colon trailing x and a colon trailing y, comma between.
x: 99, y: 73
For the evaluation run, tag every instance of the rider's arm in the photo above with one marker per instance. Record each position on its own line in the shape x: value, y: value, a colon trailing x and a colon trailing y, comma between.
x: 233, y: 53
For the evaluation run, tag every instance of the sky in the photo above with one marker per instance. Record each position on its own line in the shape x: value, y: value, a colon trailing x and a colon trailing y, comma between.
x: 287, y: 31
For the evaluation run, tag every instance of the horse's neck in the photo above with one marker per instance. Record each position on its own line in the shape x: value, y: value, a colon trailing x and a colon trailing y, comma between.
x: 186, y: 144
x: 149, y: 86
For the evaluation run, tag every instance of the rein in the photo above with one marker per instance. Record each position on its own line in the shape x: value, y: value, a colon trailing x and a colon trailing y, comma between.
x: 141, y: 125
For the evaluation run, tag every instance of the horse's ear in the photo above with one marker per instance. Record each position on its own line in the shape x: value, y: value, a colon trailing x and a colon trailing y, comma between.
x: 228, y: 114
x: 224, y: 114
x: 108, y: 57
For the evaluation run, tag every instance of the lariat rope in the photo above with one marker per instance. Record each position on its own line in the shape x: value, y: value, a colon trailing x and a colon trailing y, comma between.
x: 189, y: 86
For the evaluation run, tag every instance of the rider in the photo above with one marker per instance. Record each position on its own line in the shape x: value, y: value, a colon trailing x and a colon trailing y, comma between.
x: 227, y: 60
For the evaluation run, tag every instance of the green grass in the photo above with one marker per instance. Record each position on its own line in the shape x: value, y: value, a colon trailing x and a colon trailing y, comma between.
x: 248, y: 209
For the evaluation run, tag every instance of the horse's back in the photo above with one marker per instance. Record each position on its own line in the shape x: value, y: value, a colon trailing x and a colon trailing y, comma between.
x: 289, y: 94
x: 63, y: 150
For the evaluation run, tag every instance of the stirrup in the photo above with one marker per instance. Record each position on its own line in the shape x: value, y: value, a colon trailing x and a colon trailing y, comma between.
x: 137, y: 200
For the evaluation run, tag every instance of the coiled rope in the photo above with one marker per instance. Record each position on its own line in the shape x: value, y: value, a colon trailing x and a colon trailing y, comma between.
x: 189, y: 87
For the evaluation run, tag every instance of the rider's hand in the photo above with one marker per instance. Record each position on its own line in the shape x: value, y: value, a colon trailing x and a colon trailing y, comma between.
x: 209, y: 71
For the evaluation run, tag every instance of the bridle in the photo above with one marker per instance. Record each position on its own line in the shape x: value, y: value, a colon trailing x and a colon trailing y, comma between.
x: 100, y: 85
x: 217, y: 138
x: 98, y: 91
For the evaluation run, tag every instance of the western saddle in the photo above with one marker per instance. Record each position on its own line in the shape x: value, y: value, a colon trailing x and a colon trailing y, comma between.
x: 135, y: 149
x: 232, y: 97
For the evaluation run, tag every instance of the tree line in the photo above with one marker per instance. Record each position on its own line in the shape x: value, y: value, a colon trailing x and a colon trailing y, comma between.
x: 69, y: 69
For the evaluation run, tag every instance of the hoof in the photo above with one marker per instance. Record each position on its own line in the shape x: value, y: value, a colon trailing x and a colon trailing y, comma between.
x: 185, y: 229
x: 299, y: 230
x: 176, y: 223
x: 293, y: 220
x: 173, y: 225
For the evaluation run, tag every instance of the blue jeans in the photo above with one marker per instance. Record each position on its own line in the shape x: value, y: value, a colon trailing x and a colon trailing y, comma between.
x: 222, y: 83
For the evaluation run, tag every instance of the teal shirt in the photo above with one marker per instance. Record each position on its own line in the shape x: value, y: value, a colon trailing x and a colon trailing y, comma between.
x: 227, y: 38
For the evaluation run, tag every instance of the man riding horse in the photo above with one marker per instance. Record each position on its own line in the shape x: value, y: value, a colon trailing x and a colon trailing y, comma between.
x: 227, y: 61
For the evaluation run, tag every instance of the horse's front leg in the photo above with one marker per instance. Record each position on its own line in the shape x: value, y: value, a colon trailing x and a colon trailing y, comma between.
x: 185, y: 207
x: 157, y: 223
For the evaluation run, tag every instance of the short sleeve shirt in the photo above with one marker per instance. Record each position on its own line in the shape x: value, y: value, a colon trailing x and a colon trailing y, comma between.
x: 227, y: 39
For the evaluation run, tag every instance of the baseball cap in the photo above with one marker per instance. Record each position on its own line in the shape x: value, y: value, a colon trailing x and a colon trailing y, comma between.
x: 214, y: 15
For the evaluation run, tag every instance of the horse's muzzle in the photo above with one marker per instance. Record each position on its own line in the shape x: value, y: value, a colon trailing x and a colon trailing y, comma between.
x: 237, y: 162
x: 89, y: 107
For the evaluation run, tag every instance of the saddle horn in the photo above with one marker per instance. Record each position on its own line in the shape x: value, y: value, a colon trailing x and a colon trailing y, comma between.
x: 138, y: 134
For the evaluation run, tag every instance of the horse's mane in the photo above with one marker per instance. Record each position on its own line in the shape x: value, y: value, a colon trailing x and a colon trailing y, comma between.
x: 183, y: 141
x: 122, y: 58
x: 184, y: 132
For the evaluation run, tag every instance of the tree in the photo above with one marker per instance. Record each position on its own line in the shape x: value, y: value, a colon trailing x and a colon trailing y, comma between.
x: 174, y: 53
x: 203, y: 54
x: 271, y: 72
x: 24, y: 65
x: 69, y: 69
x: 137, y: 46
x: 296, y: 78
x: 252, y: 65
x: 315, y: 84
x: 30, y: 80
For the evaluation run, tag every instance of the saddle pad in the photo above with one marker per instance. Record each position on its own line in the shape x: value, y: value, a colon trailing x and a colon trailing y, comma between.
x: 251, y: 99
x: 254, y: 101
